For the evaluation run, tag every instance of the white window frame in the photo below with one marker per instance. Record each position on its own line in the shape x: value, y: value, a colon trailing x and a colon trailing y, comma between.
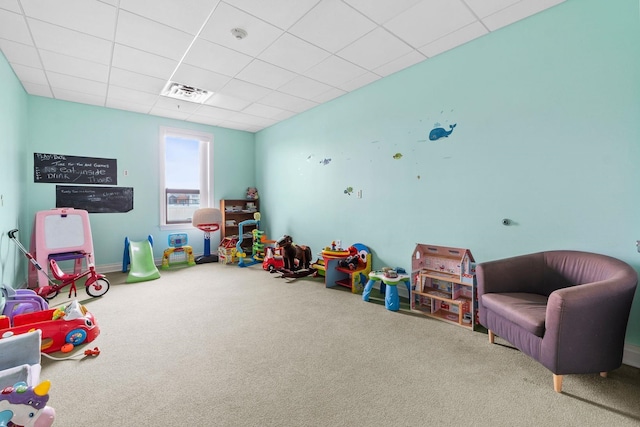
x: 206, y: 175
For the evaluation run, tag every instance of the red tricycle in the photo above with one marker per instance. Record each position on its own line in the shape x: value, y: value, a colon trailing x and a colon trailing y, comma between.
x: 96, y: 284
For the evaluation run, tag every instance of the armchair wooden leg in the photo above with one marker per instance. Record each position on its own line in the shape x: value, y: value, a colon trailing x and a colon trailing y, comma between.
x: 603, y: 374
x: 492, y: 336
x: 557, y: 383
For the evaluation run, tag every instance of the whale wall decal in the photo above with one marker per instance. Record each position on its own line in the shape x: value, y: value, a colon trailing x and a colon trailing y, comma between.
x: 438, y: 133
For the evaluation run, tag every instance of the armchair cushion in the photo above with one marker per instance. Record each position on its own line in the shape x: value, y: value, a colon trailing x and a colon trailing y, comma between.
x: 526, y: 310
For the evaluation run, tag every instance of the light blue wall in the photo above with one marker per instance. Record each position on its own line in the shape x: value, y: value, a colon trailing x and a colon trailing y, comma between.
x: 60, y: 127
x: 548, y: 135
x: 13, y: 139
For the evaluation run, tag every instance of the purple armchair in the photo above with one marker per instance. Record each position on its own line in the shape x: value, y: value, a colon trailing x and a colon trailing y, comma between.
x: 567, y: 310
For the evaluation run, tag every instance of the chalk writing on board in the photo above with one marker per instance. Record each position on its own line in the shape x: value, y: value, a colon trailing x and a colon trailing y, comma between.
x: 95, y: 199
x: 57, y: 168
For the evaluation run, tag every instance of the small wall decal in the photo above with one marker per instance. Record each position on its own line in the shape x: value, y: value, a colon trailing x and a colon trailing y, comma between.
x: 348, y: 191
x: 397, y: 156
x: 325, y: 161
x: 439, y: 132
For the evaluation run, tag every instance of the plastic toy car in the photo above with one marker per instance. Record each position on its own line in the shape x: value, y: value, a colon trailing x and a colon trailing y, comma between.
x: 72, y: 325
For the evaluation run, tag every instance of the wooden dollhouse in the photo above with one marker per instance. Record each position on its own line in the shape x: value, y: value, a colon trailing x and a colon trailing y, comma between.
x: 443, y: 284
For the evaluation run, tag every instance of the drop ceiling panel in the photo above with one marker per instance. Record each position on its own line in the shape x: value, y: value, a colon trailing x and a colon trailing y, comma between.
x: 132, y: 95
x: 69, y: 42
x: 150, y: 36
x: 214, y: 112
x: 76, y: 84
x: 65, y: 64
x: 304, y: 87
x: 261, y: 110
x: 128, y: 106
x: 227, y: 102
x: 86, y: 16
x: 287, y: 102
x: 200, y: 77
x: 381, y: 11
x: 131, y: 80
x: 142, y: 62
x: 518, y: 11
x: 245, y: 90
x: 11, y: 5
x: 429, y: 20
x: 335, y: 71
x: 328, y: 95
x: 81, y: 98
x: 18, y: 53
x: 375, y: 49
x: 454, y: 39
x: 294, y: 54
x: 359, y: 81
x: 37, y: 89
x: 332, y: 25
x: 260, y: 33
x: 484, y: 8
x: 265, y: 74
x: 281, y: 13
x: 214, y: 57
x: 14, y: 27
x: 30, y: 74
x: 185, y: 15
x: 401, y: 63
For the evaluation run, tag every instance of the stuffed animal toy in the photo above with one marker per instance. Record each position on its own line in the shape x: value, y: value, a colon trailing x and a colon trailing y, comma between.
x: 292, y: 252
x: 252, y: 193
x: 353, y: 261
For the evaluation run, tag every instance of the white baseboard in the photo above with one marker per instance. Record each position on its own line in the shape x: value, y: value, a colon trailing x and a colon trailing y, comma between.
x: 631, y: 355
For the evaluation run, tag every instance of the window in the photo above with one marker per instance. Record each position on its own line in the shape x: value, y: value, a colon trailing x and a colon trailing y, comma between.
x: 185, y: 175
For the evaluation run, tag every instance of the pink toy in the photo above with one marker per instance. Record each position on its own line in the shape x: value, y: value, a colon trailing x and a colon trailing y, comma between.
x: 74, y: 325
x: 26, y: 406
x: 62, y: 233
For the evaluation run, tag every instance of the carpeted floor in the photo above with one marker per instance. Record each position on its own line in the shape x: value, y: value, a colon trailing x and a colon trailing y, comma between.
x: 216, y: 345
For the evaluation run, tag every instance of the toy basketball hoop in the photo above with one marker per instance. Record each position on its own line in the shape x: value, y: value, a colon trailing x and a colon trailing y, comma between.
x: 207, y: 220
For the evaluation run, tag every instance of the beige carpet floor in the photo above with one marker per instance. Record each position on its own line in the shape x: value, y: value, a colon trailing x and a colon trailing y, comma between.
x: 216, y: 345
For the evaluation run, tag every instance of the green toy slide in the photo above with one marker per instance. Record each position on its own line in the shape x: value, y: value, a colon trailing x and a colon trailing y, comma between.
x: 142, y: 266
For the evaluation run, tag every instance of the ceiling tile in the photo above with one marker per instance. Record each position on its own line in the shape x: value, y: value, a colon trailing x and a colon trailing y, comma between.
x: 64, y: 64
x: 30, y: 74
x: 226, y: 17
x: 185, y: 15
x: 76, y: 84
x: 170, y: 113
x: 37, y: 89
x: 457, y: 38
x: 261, y: 110
x: 132, y: 95
x: 214, y: 57
x: 150, y: 36
x: 18, y: 53
x: 375, y: 49
x: 227, y: 102
x: 287, y: 102
x: 174, y: 104
x: 401, y: 63
x: 264, y: 74
x: 251, y: 120
x: 131, y: 80
x: 244, y: 90
x: 143, y: 62
x: 199, y: 77
x: 197, y: 118
x: 484, y: 8
x: 328, y: 95
x: 518, y: 11
x: 359, y: 81
x: 128, y: 106
x: 293, y: 54
x: 382, y: 11
x: 14, y: 28
x: 86, y: 16
x: 335, y: 71
x: 214, y: 112
x: 281, y: 13
x: 332, y: 25
x: 304, y: 87
x: 68, y: 42
x: 79, y: 97
x: 425, y: 22
x: 11, y: 5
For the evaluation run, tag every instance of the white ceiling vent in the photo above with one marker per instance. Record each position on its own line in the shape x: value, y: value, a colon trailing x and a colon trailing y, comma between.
x: 185, y: 93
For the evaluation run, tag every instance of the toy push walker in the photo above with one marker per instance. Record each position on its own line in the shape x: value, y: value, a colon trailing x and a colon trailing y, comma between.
x: 96, y: 284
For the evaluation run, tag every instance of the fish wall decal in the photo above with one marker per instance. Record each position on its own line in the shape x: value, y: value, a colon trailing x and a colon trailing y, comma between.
x: 438, y: 133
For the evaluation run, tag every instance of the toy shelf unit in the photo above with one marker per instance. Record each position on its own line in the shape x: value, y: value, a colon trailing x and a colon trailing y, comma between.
x: 234, y: 211
x: 443, y: 284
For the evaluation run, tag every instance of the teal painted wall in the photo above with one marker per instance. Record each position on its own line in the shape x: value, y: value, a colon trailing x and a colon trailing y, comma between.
x: 13, y: 131
x: 548, y: 135
x: 61, y: 127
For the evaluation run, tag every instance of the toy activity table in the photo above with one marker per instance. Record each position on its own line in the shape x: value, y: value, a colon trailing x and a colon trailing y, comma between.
x: 388, y: 287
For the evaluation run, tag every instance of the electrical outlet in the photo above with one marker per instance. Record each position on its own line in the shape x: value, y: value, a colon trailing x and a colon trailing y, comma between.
x: 359, y: 194
x: 638, y: 245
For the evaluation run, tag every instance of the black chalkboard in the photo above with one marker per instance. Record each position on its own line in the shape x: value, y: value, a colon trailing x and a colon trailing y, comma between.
x: 64, y: 169
x: 95, y: 199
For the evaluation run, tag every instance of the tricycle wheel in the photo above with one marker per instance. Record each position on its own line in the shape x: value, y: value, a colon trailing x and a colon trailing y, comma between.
x: 98, y: 288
